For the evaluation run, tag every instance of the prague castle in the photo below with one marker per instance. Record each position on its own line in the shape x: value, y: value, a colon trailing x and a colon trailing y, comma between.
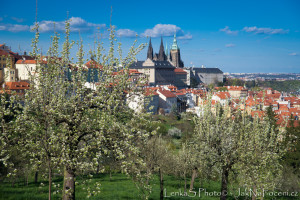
x: 173, y: 56
x: 166, y: 67
x: 163, y: 68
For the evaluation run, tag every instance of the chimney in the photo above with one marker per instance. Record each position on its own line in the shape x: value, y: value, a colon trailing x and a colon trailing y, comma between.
x: 25, y: 54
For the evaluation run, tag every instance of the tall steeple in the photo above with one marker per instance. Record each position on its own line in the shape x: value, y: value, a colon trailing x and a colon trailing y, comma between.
x: 150, y: 51
x: 175, y: 54
x: 175, y: 45
x: 161, y: 54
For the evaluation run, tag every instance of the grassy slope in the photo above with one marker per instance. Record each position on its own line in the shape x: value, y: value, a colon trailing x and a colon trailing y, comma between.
x: 120, y: 187
x: 286, y: 86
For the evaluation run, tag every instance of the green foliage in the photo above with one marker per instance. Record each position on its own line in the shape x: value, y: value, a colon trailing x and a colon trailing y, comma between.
x: 220, y: 84
x: 284, y: 86
x: 293, y: 137
x: 223, y: 89
x: 194, y: 82
x: 256, y: 88
x: 250, y: 84
x: 272, y: 118
x: 175, y: 132
x: 65, y: 125
x: 260, y: 152
x: 234, y: 142
x: 234, y: 82
x: 174, y: 112
x: 211, y: 87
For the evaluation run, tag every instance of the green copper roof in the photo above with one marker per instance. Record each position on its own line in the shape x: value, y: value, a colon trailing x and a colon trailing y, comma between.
x: 174, y: 45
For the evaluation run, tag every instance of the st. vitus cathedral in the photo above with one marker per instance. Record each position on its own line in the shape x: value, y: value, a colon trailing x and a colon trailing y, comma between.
x: 173, y: 56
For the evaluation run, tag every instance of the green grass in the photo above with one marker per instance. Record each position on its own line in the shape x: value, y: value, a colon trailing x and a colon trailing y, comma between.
x: 119, y: 187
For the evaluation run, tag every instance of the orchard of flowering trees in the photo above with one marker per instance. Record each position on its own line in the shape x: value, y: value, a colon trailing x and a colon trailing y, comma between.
x: 63, y: 127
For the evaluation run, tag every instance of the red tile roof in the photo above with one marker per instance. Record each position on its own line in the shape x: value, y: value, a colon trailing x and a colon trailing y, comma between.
x: 283, y: 108
x: 134, y: 71
x: 26, y: 62
x: 295, y: 110
x: 149, y: 92
x: 29, y: 62
x: 237, y: 88
x: 179, y: 71
x: 258, y: 113
x: 179, y: 94
x: 167, y: 93
x: 93, y: 64
x: 223, y: 95
x: 22, y: 85
x: 213, y: 102
x: 4, y: 53
x: 130, y: 72
x: 172, y: 87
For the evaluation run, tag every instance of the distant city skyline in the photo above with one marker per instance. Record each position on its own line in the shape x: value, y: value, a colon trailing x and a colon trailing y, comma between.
x: 235, y: 36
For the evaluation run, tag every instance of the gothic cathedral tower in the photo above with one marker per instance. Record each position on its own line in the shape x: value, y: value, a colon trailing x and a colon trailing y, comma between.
x: 161, y: 55
x: 150, y: 51
x: 175, y: 54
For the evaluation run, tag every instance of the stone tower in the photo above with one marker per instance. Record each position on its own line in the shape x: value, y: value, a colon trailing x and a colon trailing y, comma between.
x: 175, y: 54
x: 150, y: 51
x: 161, y: 54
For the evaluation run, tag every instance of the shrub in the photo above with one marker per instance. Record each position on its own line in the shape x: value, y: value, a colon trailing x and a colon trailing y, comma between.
x: 174, y: 132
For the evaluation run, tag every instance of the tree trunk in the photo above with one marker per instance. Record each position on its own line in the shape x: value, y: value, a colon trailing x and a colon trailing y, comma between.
x: 161, y: 184
x: 50, y: 183
x: 69, y: 184
x: 98, y: 169
x: 148, y: 172
x: 193, y: 178
x: 254, y: 194
x: 36, y: 175
x: 180, y: 182
x: 225, y: 174
x: 26, y: 180
x: 13, y: 182
x: 184, y: 183
x: 110, y: 174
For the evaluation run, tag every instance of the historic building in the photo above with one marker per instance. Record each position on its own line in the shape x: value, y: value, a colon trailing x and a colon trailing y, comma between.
x: 163, y: 68
x: 175, y: 54
x: 206, y: 75
x: 163, y: 55
x: 8, y: 60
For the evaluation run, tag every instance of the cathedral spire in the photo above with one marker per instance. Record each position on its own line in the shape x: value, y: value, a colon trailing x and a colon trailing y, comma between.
x: 150, y: 51
x: 174, y: 45
x: 175, y: 54
x: 161, y: 54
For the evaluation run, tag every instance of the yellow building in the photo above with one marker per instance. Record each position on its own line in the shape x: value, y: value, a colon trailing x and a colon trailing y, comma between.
x: 7, y: 64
